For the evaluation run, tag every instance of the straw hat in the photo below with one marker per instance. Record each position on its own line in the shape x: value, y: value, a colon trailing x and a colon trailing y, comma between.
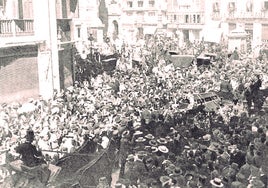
x: 140, y: 139
x: 189, y: 176
x: 154, y: 149
x: 125, y: 133
x: 149, y: 136
x: 165, y: 180
x: 207, y: 137
x: 138, y: 133
x: 130, y: 157
x: 216, y: 182
x: 153, y: 143
x: 162, y: 141
x: 163, y: 149
x: 166, y: 162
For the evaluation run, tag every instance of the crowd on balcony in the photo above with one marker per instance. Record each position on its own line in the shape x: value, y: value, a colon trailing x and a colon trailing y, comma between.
x: 160, y: 144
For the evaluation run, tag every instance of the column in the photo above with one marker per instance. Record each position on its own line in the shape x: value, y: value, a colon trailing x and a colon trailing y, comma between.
x: 48, y: 59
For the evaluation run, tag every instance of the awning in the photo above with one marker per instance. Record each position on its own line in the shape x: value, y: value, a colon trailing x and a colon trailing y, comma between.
x: 212, y: 35
x: 238, y: 33
x: 181, y: 61
x: 149, y: 30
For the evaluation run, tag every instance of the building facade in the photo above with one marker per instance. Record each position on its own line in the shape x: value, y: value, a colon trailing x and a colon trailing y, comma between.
x: 186, y: 18
x: 251, y: 15
x: 88, y: 23
x: 139, y: 18
x: 36, y: 45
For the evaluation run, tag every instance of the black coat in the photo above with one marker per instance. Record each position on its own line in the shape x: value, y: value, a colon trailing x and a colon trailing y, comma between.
x: 29, y: 154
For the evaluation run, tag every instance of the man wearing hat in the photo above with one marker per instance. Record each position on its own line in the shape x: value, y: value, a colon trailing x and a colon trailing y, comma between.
x: 125, y: 148
x: 30, y: 156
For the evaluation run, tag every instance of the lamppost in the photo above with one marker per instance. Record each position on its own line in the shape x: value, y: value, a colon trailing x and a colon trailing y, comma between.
x: 91, y: 39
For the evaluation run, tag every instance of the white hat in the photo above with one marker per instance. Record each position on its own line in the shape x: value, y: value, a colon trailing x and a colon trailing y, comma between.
x: 216, y: 182
x: 163, y: 149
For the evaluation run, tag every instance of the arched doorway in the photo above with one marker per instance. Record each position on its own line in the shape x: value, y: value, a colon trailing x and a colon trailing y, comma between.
x: 115, y: 29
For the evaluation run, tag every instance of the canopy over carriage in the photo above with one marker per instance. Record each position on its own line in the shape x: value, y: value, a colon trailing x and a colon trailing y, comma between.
x: 180, y: 61
x: 80, y: 168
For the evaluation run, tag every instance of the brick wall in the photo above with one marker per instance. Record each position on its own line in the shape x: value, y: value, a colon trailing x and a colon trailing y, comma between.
x: 18, y: 76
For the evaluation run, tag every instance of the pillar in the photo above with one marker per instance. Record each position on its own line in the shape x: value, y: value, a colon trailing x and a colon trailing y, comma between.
x: 48, y: 58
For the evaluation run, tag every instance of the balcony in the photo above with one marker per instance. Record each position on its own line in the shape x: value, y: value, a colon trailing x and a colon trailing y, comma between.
x: 16, y: 28
x: 186, y: 20
x: 249, y: 16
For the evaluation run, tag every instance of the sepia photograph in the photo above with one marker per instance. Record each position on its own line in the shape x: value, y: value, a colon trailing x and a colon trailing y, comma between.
x: 133, y: 94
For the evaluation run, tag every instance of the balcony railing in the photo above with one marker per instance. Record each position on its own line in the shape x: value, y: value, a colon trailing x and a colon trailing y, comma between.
x: 248, y: 15
x: 16, y: 27
x: 189, y: 18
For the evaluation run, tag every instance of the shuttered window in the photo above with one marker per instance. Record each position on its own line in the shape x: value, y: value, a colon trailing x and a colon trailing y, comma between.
x: 27, y: 9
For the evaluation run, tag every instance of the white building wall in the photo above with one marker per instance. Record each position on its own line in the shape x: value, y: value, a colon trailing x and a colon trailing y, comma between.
x: 48, y: 59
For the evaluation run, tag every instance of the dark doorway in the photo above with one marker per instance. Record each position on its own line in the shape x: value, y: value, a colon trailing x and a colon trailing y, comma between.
x: 185, y: 35
x: 116, y: 29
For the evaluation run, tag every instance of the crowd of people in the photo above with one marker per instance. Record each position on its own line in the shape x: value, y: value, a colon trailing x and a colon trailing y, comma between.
x: 160, y: 143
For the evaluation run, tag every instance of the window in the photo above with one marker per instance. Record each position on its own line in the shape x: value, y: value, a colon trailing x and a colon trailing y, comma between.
x: 130, y: 4
x: 194, y: 18
x: 216, y: 7
x: 187, y: 18
x: 151, y: 3
x: 231, y: 7
x: 73, y: 5
x: 198, y: 19
x: 249, y: 6
x: 140, y: 3
x: 175, y: 17
x: 1, y: 3
x: 78, y: 32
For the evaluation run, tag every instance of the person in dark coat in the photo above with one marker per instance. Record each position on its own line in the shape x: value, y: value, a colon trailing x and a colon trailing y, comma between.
x: 238, y: 157
x: 30, y: 156
x: 226, y: 90
x: 124, y: 151
x: 235, y: 54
